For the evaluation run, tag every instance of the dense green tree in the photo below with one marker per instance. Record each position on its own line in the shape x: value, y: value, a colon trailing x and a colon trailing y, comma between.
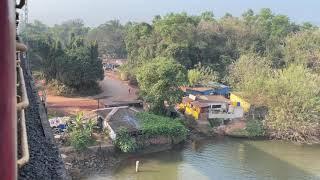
x: 160, y: 81
x: 201, y: 75
x: 74, y: 66
x: 290, y: 94
x: 81, y: 67
x: 303, y: 48
x: 249, y: 75
x: 213, y: 42
x: 136, y: 34
x: 294, y: 105
x: 64, y: 31
x: 110, y: 39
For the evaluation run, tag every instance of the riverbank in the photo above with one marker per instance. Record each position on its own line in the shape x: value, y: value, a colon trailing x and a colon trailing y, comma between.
x: 103, y: 159
x: 107, y: 157
x: 158, y: 134
x: 221, y: 158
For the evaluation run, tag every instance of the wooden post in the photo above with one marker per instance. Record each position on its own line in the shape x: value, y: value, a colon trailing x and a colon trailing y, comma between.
x: 137, y: 166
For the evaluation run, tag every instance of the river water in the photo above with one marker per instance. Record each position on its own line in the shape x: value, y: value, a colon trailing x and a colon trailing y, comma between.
x: 224, y: 158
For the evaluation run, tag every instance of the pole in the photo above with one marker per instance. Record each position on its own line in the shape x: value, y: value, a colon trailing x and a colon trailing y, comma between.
x: 98, y: 108
x: 8, y: 120
x: 137, y: 166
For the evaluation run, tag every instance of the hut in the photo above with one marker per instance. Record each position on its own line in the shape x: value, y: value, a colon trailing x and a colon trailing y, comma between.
x: 117, y: 118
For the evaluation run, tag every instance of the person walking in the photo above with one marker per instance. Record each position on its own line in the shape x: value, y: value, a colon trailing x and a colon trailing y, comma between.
x: 129, y: 90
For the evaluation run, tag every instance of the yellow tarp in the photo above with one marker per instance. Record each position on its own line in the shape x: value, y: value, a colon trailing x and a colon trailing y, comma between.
x: 244, y: 104
x: 192, y: 112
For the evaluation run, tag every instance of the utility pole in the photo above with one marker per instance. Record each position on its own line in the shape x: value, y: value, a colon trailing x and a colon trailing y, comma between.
x: 24, y: 23
x: 26, y: 13
x: 24, y: 16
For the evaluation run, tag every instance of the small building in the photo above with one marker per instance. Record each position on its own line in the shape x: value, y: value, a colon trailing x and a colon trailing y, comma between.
x: 204, y: 107
x: 199, y: 106
x: 117, y: 118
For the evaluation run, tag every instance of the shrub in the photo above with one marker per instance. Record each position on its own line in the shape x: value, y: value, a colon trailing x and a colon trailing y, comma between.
x: 215, y: 122
x: 80, y: 133
x: 255, y: 128
x: 294, y: 105
x: 154, y: 125
x: 125, y: 142
x: 60, y: 89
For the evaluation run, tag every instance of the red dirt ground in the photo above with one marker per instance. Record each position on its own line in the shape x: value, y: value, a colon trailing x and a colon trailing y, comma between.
x: 112, y: 88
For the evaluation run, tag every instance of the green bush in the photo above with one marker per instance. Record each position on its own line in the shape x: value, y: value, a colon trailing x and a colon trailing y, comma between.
x: 80, y: 133
x: 215, y: 122
x: 151, y: 126
x: 154, y: 125
x: 125, y: 142
x: 255, y: 128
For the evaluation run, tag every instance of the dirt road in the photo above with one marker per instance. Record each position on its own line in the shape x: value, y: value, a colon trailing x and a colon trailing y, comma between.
x: 116, y: 90
x: 113, y: 89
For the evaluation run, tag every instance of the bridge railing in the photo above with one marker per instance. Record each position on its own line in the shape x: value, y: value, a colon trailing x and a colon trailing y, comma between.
x: 22, y: 98
x: 22, y: 104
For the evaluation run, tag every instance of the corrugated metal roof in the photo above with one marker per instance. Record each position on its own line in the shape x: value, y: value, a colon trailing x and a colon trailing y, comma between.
x: 121, y: 117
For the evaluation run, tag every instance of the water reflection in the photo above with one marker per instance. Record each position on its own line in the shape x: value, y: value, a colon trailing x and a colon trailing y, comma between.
x: 225, y: 159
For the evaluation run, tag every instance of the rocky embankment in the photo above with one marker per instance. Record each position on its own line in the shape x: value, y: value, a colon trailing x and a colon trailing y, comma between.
x: 45, y: 160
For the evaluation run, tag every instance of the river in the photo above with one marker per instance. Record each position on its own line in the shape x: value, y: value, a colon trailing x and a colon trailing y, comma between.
x: 224, y: 158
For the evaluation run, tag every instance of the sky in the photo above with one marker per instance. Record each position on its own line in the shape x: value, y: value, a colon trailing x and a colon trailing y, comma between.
x: 95, y: 12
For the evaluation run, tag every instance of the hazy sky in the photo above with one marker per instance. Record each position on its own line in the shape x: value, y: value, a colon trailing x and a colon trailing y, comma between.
x: 95, y: 12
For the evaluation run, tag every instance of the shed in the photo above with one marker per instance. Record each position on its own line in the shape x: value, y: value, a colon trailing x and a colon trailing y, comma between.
x: 119, y: 118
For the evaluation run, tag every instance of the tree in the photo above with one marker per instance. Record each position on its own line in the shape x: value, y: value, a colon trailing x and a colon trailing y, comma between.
x: 63, y: 31
x: 290, y: 94
x: 177, y: 32
x: 201, y: 75
x: 74, y: 67
x: 249, y: 75
x: 110, y: 39
x: 136, y: 35
x: 303, y: 48
x: 294, y: 105
x: 81, y: 69
x: 194, y: 76
x: 207, y: 16
x: 159, y: 81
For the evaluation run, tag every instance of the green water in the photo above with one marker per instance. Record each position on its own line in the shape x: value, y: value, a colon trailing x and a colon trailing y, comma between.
x: 224, y: 158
